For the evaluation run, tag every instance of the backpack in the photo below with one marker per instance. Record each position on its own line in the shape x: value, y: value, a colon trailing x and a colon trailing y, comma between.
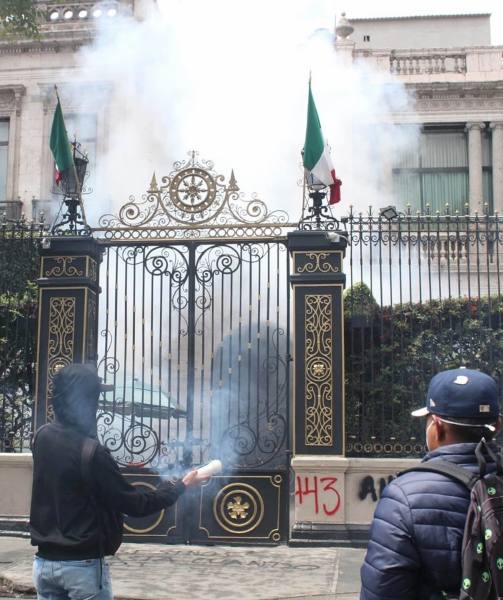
x: 482, y: 548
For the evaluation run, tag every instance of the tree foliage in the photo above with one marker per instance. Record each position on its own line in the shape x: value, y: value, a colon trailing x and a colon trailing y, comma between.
x: 20, y: 18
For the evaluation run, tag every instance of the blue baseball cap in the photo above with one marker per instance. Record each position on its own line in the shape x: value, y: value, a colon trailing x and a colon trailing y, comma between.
x: 461, y: 393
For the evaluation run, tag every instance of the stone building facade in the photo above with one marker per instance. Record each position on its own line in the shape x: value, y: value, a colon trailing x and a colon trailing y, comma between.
x: 455, y: 108
x: 29, y: 70
x: 455, y: 112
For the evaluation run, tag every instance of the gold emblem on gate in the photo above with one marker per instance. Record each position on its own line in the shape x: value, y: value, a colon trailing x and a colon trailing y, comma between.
x: 318, y: 369
x: 238, y: 508
x: 192, y: 190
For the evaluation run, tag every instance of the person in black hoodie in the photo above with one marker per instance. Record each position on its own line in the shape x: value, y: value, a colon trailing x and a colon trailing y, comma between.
x: 73, y: 530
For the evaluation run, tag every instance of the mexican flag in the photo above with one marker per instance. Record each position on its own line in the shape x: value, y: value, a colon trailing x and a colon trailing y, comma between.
x: 316, y: 156
x: 60, y: 146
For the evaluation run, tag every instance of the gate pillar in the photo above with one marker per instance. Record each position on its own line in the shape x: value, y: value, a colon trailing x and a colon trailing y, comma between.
x: 68, y: 311
x: 318, y: 418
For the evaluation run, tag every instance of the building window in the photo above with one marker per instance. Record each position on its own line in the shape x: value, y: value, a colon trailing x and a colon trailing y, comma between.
x: 434, y: 171
x: 4, y: 151
x: 366, y: 38
x: 84, y: 128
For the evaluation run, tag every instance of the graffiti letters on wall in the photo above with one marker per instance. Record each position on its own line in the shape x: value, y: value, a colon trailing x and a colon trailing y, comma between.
x: 321, y: 491
x: 373, y: 487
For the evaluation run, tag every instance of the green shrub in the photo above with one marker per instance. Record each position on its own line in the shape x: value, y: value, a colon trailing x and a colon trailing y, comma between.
x: 391, y: 359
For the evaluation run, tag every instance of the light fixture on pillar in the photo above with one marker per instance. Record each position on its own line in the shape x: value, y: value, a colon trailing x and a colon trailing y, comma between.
x: 71, y: 187
x: 319, y: 216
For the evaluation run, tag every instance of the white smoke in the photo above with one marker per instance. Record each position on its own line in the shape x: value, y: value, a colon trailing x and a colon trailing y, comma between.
x: 230, y: 81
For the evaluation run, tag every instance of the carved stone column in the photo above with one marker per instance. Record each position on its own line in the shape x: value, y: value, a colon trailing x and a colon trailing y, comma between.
x: 475, y: 167
x: 497, y: 129
x: 68, y: 311
x: 318, y: 441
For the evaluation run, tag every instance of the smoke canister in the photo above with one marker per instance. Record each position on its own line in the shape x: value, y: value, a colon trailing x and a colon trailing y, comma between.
x: 214, y: 466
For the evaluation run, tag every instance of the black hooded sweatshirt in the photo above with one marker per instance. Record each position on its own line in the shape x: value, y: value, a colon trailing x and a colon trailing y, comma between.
x: 64, y: 523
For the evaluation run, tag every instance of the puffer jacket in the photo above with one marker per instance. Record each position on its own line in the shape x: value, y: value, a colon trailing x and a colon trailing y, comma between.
x: 414, y: 552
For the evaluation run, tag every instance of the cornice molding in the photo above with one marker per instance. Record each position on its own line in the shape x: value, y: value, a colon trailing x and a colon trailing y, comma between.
x: 51, y: 43
x: 459, y: 104
x: 462, y: 97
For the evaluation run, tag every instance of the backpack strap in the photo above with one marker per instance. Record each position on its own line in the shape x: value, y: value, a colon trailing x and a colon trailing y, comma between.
x: 444, y: 467
x: 88, y: 449
x: 498, y: 459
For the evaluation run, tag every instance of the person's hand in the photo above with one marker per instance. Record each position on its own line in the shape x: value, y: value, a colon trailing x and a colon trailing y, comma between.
x: 193, y: 480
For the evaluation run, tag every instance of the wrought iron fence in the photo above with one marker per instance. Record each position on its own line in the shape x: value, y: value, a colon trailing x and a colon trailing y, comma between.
x: 423, y: 294
x: 19, y: 269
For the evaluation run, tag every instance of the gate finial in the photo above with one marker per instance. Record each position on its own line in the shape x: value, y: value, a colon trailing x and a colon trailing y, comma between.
x: 233, y: 184
x: 153, y: 184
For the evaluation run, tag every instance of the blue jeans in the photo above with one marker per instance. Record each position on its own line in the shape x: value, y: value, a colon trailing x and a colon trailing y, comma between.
x: 72, y: 579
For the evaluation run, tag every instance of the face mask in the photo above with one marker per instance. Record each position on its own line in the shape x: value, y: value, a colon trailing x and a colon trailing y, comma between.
x: 428, y: 429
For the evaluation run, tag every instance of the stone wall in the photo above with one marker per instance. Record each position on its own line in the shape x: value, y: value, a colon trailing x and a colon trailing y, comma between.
x: 335, y: 497
x: 328, y: 490
x: 15, y: 493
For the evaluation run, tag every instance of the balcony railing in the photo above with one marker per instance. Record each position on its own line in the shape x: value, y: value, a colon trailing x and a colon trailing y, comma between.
x: 420, y: 64
x: 479, y: 63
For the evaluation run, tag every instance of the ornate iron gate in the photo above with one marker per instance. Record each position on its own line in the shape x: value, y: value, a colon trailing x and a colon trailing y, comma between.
x: 194, y: 315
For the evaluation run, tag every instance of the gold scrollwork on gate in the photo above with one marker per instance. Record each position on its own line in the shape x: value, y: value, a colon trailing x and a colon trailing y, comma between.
x: 64, y: 267
x: 92, y: 270
x: 193, y: 201
x: 318, y: 361
x: 60, y: 346
x: 238, y: 508
x: 317, y: 266
x: 92, y: 313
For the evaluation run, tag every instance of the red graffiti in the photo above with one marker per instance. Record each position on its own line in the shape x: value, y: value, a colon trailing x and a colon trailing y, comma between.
x: 326, y: 485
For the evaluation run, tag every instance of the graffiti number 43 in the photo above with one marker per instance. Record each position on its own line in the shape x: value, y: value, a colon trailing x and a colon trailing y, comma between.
x: 324, y: 486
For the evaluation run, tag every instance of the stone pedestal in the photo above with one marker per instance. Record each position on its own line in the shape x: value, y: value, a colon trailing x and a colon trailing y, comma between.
x: 68, y: 311
x: 318, y: 282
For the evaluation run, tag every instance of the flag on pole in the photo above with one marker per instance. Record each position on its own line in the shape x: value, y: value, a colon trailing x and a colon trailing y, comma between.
x: 316, y: 157
x: 60, y: 146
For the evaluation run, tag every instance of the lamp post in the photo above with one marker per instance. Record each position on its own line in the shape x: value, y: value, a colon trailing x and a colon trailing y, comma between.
x: 319, y: 216
x: 71, y: 185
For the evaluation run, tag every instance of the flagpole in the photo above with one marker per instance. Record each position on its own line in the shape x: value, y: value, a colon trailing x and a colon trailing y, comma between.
x: 303, y: 196
x: 79, y: 191
x: 304, y: 201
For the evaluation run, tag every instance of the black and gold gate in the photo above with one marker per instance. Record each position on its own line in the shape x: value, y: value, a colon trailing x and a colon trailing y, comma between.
x: 194, y: 342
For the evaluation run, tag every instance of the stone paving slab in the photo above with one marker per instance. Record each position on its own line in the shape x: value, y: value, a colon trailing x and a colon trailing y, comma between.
x: 160, y: 572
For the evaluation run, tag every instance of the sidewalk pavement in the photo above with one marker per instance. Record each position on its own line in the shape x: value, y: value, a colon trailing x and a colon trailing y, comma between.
x: 160, y: 572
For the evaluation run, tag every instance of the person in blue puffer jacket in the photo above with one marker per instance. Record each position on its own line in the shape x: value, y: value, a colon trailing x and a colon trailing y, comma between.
x: 414, y: 552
